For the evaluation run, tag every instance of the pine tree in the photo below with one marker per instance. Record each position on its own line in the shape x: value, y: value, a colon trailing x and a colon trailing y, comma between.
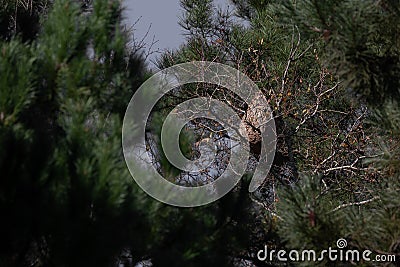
x: 66, y: 197
x: 361, y: 45
x: 329, y: 69
x: 331, y: 74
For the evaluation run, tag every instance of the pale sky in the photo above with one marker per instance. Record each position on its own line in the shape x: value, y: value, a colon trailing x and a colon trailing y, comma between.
x: 162, y: 15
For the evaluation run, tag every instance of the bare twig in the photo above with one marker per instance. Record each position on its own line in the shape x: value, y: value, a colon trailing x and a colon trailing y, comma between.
x: 354, y: 204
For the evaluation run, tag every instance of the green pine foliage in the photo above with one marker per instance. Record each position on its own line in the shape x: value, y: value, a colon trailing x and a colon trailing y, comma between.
x: 331, y: 73
x: 362, y: 40
x: 361, y: 45
x: 67, y: 198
